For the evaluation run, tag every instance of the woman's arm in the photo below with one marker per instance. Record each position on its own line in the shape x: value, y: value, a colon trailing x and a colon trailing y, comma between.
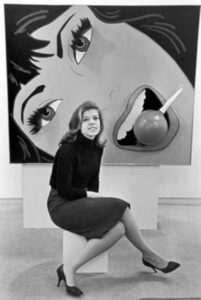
x: 93, y: 184
x: 66, y: 163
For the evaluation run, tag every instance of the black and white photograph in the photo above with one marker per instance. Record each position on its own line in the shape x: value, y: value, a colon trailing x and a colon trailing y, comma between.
x: 100, y: 164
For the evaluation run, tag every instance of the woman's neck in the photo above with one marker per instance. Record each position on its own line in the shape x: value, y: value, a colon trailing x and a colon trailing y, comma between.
x: 89, y: 136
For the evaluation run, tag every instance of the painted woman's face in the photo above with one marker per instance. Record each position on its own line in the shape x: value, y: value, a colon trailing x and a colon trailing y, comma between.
x: 113, y: 65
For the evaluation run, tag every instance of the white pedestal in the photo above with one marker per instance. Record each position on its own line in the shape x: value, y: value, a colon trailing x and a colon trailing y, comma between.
x: 135, y: 184
x: 138, y: 185
x: 35, y: 190
x: 72, y: 244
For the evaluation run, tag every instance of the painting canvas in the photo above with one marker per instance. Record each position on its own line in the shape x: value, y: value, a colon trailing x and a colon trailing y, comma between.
x: 129, y: 60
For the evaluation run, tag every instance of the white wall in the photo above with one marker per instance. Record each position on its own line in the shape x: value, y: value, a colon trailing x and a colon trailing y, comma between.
x: 10, y: 175
x: 185, y: 181
x: 175, y: 181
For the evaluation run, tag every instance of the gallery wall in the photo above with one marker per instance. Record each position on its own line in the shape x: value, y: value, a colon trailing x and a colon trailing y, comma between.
x: 174, y: 181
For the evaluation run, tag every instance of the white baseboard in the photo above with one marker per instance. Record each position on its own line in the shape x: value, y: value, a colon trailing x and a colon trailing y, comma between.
x: 179, y: 201
x: 161, y: 201
x: 10, y: 204
x: 10, y: 201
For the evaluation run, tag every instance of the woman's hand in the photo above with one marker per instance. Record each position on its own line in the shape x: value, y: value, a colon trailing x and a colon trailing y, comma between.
x: 93, y: 194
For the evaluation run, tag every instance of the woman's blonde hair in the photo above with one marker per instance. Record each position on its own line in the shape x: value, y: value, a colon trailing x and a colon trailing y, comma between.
x: 76, y: 121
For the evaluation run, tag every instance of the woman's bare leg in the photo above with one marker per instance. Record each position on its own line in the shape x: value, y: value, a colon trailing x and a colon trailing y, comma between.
x: 93, y: 248
x: 135, y: 237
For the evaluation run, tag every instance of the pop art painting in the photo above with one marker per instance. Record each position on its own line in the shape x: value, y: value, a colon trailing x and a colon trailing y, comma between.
x: 130, y: 60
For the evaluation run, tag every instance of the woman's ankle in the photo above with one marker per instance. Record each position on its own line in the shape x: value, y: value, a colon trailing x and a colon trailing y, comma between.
x: 155, y: 259
x: 70, y: 274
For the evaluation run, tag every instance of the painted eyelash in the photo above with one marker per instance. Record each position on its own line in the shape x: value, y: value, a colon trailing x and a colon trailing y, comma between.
x: 85, y: 25
x: 43, y: 115
x: 35, y: 121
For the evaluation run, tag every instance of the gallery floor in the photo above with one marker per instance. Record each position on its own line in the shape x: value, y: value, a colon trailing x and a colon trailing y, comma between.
x: 29, y: 257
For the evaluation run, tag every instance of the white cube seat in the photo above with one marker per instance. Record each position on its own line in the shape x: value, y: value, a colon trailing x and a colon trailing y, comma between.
x: 72, y: 244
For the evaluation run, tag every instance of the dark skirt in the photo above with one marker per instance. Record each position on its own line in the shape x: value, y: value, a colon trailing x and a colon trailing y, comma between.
x: 89, y: 217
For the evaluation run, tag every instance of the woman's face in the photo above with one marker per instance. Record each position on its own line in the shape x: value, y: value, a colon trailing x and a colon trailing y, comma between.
x: 90, y: 124
x: 100, y: 62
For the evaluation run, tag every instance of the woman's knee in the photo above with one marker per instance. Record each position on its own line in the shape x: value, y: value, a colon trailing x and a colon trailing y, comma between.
x: 125, y: 214
x: 121, y: 228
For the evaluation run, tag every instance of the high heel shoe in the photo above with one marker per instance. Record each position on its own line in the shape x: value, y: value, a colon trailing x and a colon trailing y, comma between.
x: 71, y: 290
x: 171, y: 266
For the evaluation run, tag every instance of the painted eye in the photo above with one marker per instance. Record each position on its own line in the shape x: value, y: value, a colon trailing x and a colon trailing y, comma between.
x: 43, y: 116
x: 81, y: 40
x: 82, y: 46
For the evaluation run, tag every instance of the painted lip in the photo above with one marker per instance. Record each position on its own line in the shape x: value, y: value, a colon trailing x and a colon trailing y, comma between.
x: 127, y: 140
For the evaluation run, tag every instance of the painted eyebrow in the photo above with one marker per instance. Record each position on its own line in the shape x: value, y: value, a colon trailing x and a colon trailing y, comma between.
x: 59, y: 45
x: 38, y: 90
